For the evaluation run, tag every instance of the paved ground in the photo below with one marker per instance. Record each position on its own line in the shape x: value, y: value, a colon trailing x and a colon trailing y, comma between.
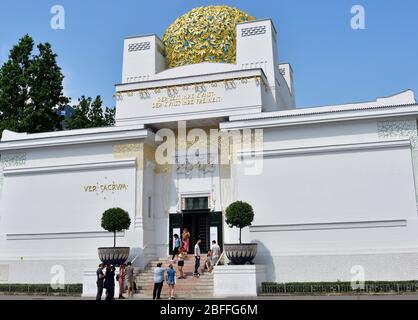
x: 362, y: 297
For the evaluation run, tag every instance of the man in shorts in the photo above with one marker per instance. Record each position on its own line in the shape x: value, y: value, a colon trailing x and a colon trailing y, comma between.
x: 130, y: 278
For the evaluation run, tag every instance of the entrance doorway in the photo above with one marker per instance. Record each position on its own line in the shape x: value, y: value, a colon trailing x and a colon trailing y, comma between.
x: 202, y: 224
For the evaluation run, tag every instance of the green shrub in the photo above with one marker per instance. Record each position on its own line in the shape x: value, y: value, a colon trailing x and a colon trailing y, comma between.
x: 240, y: 215
x: 114, y: 220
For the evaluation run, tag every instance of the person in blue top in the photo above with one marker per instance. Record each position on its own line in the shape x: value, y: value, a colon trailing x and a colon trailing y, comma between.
x: 158, y: 281
x: 171, y: 280
x: 176, y: 246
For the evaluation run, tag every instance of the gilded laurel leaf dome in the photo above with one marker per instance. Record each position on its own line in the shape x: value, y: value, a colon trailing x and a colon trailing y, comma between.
x: 203, y: 34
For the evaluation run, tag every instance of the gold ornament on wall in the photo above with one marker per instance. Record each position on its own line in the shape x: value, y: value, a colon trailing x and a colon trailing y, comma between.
x: 205, y: 34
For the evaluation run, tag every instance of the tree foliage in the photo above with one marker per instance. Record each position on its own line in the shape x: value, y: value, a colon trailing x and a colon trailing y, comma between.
x: 240, y: 215
x: 31, y: 89
x: 114, y: 220
x: 89, y: 114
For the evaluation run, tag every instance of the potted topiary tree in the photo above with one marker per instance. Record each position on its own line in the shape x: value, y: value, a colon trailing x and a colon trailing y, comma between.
x: 115, y: 220
x: 240, y: 215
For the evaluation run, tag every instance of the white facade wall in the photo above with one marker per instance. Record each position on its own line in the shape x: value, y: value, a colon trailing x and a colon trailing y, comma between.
x: 334, y: 196
x: 49, y: 214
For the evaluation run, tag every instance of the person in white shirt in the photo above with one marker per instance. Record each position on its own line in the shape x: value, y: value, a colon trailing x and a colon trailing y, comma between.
x: 216, y: 252
x: 197, y: 258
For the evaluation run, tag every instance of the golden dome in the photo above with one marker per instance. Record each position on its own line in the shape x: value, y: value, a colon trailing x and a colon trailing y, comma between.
x: 203, y: 34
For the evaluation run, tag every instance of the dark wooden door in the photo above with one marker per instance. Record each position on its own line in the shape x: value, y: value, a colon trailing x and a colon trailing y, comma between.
x: 203, y: 225
x: 216, y: 227
x: 197, y: 224
x: 175, y: 223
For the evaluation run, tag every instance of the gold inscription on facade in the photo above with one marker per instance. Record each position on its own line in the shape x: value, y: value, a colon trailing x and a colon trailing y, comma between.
x: 111, y: 187
x: 186, y: 99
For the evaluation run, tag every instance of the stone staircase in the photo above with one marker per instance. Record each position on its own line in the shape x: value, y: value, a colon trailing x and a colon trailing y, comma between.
x: 189, y: 288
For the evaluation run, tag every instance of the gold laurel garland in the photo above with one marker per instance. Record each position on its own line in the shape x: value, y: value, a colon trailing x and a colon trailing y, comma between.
x: 174, y: 89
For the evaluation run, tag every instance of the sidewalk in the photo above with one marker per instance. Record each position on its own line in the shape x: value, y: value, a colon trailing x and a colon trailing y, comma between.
x: 360, y: 297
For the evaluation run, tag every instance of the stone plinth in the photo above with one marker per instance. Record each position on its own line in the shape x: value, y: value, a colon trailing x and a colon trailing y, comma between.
x: 235, y: 281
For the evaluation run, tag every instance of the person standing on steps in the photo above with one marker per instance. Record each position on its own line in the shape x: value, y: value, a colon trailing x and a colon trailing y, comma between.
x: 216, y: 252
x: 110, y: 282
x: 100, y: 281
x: 176, y: 246
x: 185, y: 236
x: 171, y: 280
x: 130, y: 277
x: 208, y: 263
x: 180, y: 264
x: 197, y: 258
x: 121, y: 280
x: 158, y: 281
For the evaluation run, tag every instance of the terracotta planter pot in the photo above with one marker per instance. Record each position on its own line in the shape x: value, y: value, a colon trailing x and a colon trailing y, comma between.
x: 240, y: 254
x: 115, y: 256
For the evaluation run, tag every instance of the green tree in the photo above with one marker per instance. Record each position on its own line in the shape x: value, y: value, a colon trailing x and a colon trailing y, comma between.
x: 240, y: 215
x: 114, y: 220
x: 89, y: 114
x: 31, y: 89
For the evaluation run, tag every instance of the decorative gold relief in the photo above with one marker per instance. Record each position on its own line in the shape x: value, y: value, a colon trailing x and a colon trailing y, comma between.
x: 163, y: 168
x: 149, y: 153
x: 204, y: 34
x: 127, y: 149
x: 130, y: 150
x: 13, y: 160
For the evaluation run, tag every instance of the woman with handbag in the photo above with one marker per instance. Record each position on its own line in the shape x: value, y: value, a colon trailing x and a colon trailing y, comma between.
x: 121, y: 280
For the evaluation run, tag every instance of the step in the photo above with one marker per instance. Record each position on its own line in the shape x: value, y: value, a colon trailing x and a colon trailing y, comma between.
x: 185, y: 288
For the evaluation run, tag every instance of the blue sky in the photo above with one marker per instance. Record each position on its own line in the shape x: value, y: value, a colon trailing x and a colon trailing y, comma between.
x: 332, y: 63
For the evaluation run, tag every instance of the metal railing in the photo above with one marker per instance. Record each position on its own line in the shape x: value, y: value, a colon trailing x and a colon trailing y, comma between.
x: 339, y: 288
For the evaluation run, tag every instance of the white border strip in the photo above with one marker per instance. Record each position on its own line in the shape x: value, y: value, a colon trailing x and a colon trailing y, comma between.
x: 53, y: 139
x: 329, y: 226
x: 130, y: 162
x: 63, y: 235
x: 398, y: 143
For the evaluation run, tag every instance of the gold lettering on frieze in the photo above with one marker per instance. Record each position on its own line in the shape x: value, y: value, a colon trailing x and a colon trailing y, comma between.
x: 186, y: 99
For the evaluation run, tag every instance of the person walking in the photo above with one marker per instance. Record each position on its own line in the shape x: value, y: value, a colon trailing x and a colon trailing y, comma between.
x: 197, y: 258
x: 158, y: 281
x: 110, y: 282
x: 185, y: 236
x: 216, y: 252
x: 176, y: 246
x: 130, y: 277
x: 171, y: 280
x: 100, y: 281
x: 121, y: 281
x: 208, y: 262
x: 180, y: 264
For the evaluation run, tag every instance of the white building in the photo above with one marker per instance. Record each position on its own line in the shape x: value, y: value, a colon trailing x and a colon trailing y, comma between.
x: 336, y: 186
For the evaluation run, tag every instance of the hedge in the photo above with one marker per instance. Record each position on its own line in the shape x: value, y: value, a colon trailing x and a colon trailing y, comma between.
x: 41, y: 289
x: 370, y: 287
